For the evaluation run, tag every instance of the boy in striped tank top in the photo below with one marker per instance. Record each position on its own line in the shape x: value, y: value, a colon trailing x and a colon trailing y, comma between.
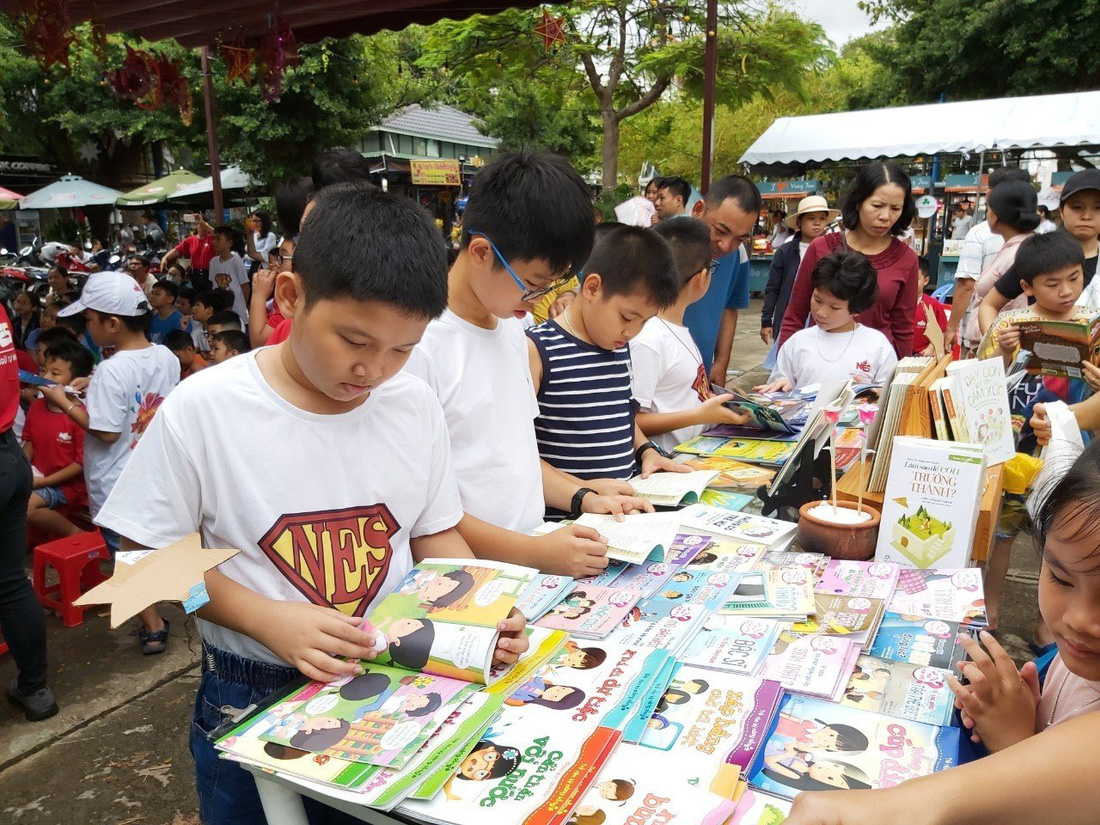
x: 580, y: 363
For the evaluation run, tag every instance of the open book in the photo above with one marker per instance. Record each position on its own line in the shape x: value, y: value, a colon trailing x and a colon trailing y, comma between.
x: 439, y: 631
x: 638, y: 538
x: 781, y: 415
x: 673, y: 489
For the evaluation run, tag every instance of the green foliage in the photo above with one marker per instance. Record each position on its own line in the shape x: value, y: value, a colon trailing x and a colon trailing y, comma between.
x: 990, y: 48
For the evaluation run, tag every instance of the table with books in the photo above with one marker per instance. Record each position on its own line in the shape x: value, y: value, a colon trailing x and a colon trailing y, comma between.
x: 712, y: 672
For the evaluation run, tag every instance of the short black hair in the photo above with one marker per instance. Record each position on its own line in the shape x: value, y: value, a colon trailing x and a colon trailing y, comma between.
x: 1044, y: 212
x: 226, y: 317
x: 924, y: 265
x: 78, y: 357
x: 48, y: 337
x: 144, y: 260
x: 170, y: 287
x: 340, y: 166
x: 177, y: 340
x: 1051, y: 252
x: 230, y: 234
x: 849, y: 276
x: 534, y: 207
x: 134, y: 323
x: 677, y: 186
x: 213, y: 298
x: 226, y: 297
x: 869, y: 178
x: 1006, y: 173
x: 742, y: 190
x: 689, y: 239
x: 633, y: 259
x: 404, y: 264
x: 291, y: 198
x: 234, y: 339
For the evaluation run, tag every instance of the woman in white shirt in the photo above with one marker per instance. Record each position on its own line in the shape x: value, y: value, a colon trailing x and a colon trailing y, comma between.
x: 261, y: 240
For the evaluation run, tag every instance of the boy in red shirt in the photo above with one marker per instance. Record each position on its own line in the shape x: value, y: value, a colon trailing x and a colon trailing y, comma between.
x: 927, y: 308
x: 54, y: 444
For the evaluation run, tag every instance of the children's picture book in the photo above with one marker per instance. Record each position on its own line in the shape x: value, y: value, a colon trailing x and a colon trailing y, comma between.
x: 685, y: 547
x: 930, y: 509
x: 732, y: 644
x: 710, y: 725
x: 671, y: 617
x: 442, y: 618
x: 756, y: 451
x: 591, y: 612
x: 984, y: 398
x: 382, y: 716
x: 606, y: 576
x: 905, y: 691
x: 732, y: 474
x: 1058, y: 347
x: 543, y: 593
x: 949, y: 594
x: 855, y: 617
x: 725, y: 499
x: 727, y: 556
x: 820, y: 746
x: 701, y: 445
x: 866, y: 579
x: 918, y: 641
x: 646, y: 578
x: 673, y: 489
x: 787, y: 593
x: 754, y: 807
x: 777, y: 415
x: 774, y: 559
x: 812, y: 665
x: 743, y: 526
x: 737, y: 431
x: 639, y: 537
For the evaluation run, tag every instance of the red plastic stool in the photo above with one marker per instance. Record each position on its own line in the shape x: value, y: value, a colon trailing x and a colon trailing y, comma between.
x: 76, y: 560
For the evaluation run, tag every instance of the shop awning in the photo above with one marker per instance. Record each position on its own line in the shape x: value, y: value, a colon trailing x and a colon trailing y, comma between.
x: 9, y: 199
x: 969, y: 126
x: 158, y: 190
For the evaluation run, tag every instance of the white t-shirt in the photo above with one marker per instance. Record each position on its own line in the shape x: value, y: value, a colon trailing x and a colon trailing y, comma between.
x: 238, y: 276
x: 123, y: 395
x: 265, y: 246
x: 322, y: 507
x: 812, y: 356
x: 483, y: 380
x: 668, y: 373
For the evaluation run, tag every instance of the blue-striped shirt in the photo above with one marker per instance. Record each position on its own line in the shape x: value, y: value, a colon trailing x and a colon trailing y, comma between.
x: 586, y: 410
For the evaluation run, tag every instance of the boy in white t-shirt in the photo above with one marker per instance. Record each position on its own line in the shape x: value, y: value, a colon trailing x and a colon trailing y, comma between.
x: 527, y: 227
x: 124, y: 394
x: 229, y: 265
x: 671, y: 384
x: 837, y: 346
x: 359, y: 487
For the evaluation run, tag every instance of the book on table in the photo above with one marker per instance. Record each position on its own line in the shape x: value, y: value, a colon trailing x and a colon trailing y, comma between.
x: 902, y: 690
x: 638, y: 538
x: 811, y: 665
x: 772, y: 533
x: 673, y: 489
x: 591, y: 612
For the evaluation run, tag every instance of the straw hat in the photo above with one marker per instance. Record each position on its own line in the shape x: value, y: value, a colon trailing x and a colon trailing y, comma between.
x: 810, y: 203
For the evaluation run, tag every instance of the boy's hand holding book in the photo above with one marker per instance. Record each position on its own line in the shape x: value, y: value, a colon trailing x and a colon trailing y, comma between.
x: 715, y: 411
x: 314, y: 639
x: 999, y: 702
x: 778, y: 385
x: 572, y: 551
x: 512, y: 642
x: 1040, y: 424
x: 1008, y: 339
x: 653, y: 462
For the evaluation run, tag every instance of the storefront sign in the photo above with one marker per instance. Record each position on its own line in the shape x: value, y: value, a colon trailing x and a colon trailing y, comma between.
x: 435, y: 172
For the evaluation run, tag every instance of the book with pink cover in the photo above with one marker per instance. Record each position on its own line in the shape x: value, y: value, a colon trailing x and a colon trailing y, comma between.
x: 591, y: 612
x: 812, y: 665
x: 868, y: 579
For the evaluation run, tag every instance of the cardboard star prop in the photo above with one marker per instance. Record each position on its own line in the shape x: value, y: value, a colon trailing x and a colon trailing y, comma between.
x: 171, y: 574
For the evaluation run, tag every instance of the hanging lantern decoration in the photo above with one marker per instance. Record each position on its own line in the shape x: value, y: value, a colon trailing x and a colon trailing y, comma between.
x: 136, y: 78
x: 280, y: 52
x: 552, y: 31
x: 238, y: 59
x: 44, y: 26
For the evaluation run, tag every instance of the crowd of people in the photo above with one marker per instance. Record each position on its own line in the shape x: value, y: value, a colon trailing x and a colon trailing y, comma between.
x: 456, y: 409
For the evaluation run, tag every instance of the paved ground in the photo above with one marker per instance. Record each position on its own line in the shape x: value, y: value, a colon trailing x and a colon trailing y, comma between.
x: 117, y: 752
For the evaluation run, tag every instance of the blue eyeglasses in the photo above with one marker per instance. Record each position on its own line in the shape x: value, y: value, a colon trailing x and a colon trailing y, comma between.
x: 528, y: 293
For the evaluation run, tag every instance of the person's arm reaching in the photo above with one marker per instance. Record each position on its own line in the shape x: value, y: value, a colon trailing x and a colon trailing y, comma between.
x: 990, y: 308
x: 258, y: 329
x: 1044, y: 779
x: 568, y: 551
x: 78, y: 413
x: 711, y: 411
x: 169, y: 257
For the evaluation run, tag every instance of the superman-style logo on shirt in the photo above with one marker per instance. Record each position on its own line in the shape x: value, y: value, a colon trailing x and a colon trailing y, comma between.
x: 336, y: 558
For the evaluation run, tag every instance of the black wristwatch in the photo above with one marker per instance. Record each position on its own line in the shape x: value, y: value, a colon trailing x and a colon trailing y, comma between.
x: 578, y: 497
x: 649, y: 445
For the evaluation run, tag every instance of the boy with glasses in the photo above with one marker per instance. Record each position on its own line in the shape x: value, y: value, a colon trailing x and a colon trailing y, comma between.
x: 528, y: 226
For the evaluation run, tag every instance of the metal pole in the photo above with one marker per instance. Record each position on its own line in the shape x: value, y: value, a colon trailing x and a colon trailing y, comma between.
x: 710, y: 71
x: 212, y: 136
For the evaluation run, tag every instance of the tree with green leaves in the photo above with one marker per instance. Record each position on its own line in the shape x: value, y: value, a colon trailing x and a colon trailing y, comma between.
x: 989, y: 48
x: 630, y: 54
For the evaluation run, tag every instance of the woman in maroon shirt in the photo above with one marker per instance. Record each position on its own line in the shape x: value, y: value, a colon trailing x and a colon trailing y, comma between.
x: 876, y: 208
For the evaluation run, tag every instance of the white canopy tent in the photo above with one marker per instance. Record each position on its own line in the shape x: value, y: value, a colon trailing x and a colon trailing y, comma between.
x: 969, y: 126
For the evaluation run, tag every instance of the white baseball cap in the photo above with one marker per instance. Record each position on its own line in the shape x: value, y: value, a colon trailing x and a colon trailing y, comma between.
x: 113, y: 293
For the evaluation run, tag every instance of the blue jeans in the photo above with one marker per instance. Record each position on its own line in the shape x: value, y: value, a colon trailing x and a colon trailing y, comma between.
x: 227, y: 792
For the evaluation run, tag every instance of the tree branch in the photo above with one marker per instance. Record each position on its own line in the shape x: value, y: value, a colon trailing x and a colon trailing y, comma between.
x: 616, y: 69
x: 646, y: 100
x: 594, y: 79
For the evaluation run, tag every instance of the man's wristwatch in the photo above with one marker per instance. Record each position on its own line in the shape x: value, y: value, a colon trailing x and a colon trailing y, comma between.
x: 649, y: 445
x: 578, y: 497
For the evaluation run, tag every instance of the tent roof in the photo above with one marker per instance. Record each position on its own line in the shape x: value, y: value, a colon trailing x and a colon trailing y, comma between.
x: 70, y: 191
x: 157, y: 190
x: 906, y: 131
x: 231, y: 178
x: 203, y: 22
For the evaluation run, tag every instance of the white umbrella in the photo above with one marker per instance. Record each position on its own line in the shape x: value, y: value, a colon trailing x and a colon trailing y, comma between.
x: 231, y: 177
x: 69, y: 192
